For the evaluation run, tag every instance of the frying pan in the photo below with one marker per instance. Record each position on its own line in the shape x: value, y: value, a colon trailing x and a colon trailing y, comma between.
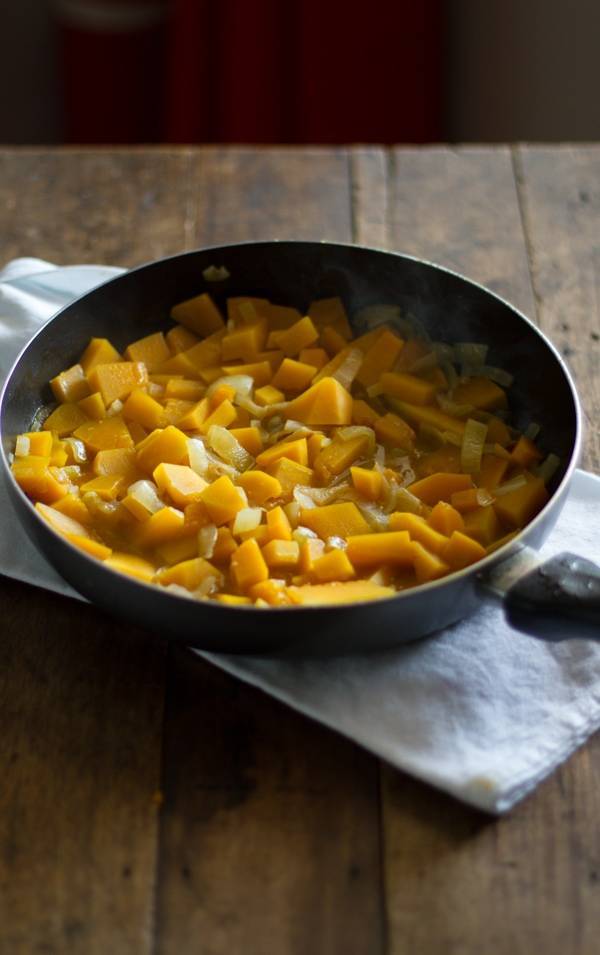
x: 452, y: 309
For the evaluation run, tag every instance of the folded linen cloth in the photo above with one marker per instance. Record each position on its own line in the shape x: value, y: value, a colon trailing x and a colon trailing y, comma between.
x: 479, y: 710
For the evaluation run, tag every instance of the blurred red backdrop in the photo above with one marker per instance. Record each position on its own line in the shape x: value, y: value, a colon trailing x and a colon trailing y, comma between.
x: 252, y: 71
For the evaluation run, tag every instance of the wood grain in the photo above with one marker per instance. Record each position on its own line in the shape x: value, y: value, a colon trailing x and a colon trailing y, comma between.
x: 456, y: 881
x: 560, y: 195
x: 270, y: 837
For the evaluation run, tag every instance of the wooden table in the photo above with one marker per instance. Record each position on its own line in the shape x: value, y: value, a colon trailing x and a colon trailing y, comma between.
x: 151, y: 804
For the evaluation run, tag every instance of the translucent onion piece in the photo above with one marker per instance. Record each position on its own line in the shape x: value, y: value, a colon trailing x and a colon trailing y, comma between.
x: 406, y: 502
x: 374, y: 315
x: 375, y: 390
x: 347, y: 371
x: 22, y: 446
x: 248, y: 519
x: 177, y: 590
x: 243, y: 384
x: 302, y: 534
x: 197, y: 456
x: 302, y: 498
x: 215, y: 273
x: 335, y: 543
x: 146, y: 494
x: 499, y: 375
x: 450, y: 373
x: 450, y: 437
x: 377, y: 519
x: 217, y: 466
x: 379, y: 459
x: 508, y: 486
x: 472, y: 446
x: 532, y: 431
x: 207, y: 587
x: 207, y: 538
x: 115, y: 408
x: 496, y: 449
x: 484, y: 498
x: 227, y: 446
x: 77, y: 450
x: 425, y: 363
x: 547, y: 468
x: 155, y: 390
x: 470, y: 353
x: 292, y: 510
x: 357, y: 431
x: 452, y: 407
x: 443, y: 351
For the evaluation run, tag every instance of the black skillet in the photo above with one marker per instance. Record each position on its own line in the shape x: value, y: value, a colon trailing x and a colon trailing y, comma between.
x: 451, y: 308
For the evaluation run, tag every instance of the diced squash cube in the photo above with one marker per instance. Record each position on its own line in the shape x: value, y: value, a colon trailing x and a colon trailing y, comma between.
x: 420, y: 530
x: 363, y: 413
x: 185, y: 388
x: 330, y: 312
x: 232, y: 600
x: 317, y: 357
x: 379, y: 358
x: 179, y: 481
x: 283, y: 554
x: 60, y: 522
x: 427, y: 415
x: 278, y: 525
x: 249, y: 438
x: 131, y: 565
x: 439, y: 487
x: 222, y: 500
x: 177, y: 551
x: 73, y: 506
x: 293, y: 376
x: 194, y: 419
x: 387, y: 547
x: 248, y: 566
x: 525, y: 453
x: 461, y: 551
x: 98, y: 352
x: 245, y: 342
x: 428, y: 566
x: 351, y: 591
x: 482, y: 393
x: 40, y: 443
x: 268, y: 395
x: 93, y: 406
x: 166, y: 524
x: 300, y: 335
x: 498, y: 432
x: 107, y: 486
x: 259, y: 486
x: 445, y: 519
x: 296, y: 450
x: 483, y: 525
x: 407, y: 387
x: 180, y: 338
x: 289, y: 474
x: 339, y: 455
x: 163, y: 446
x: 65, y: 419
x: 92, y: 547
x: 70, y: 385
x: 33, y: 476
x: 324, y: 403
x: 244, y: 309
x: 518, y: 507
x: 492, y: 471
x: 119, y: 461
x: 335, y: 520
x: 117, y: 379
x: 199, y: 314
x: 332, y: 340
x: 280, y: 316
x: 310, y: 551
x: 272, y: 592
x: 368, y: 482
x: 189, y: 573
x: 142, y: 408
x: 104, y: 435
x: 334, y: 565
x: 152, y: 350
x: 223, y: 415
x: 205, y: 354
x: 390, y: 429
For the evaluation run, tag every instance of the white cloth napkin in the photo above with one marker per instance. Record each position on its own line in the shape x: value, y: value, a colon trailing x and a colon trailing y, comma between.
x: 479, y: 710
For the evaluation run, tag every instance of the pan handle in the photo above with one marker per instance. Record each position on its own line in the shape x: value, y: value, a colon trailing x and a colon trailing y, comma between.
x: 566, y: 587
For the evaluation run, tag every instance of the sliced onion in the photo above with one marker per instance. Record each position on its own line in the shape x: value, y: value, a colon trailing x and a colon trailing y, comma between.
x: 484, y: 498
x: 229, y: 449
x: 302, y: 498
x: 472, y: 446
x: 243, y: 384
x: 450, y: 373
x: 247, y: 519
x: 374, y: 315
x: 348, y: 432
x: 301, y: 534
x: 207, y: 538
x: 375, y: 390
x: 155, y: 390
x: 215, y: 273
x: 452, y: 407
x: 449, y: 437
x: 532, y: 431
x: 406, y: 502
x: 207, y: 587
x: 377, y: 519
x: 547, y: 468
x: 347, y: 371
x: 146, y: 494
x: 22, y: 446
x: 470, y: 353
x: 197, y: 456
x: 513, y: 485
x: 217, y: 466
x: 499, y: 375
x: 379, y: 459
x: 335, y: 543
x: 424, y: 363
x: 115, y: 408
x: 78, y: 450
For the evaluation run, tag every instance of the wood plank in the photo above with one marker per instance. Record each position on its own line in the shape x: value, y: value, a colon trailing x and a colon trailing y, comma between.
x: 81, y: 696
x: 458, y: 882
x: 270, y: 836
x: 561, y: 206
x: 109, y: 206
x: 81, y: 713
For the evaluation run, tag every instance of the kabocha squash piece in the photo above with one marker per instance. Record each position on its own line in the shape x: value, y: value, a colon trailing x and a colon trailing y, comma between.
x: 182, y: 484
x: 395, y: 431
x: 317, y: 357
x: 104, y: 435
x: 245, y: 342
x: 325, y: 403
x: 152, y: 350
x: 40, y: 443
x: 98, y: 352
x: 300, y: 335
x: 168, y: 445
x: 60, y: 522
x: 248, y: 566
x: 70, y: 385
x: 199, y: 314
x: 518, y: 507
x: 387, y: 547
x: 281, y: 554
x: 407, y: 387
x: 73, y: 506
x: 180, y: 338
x: 428, y: 566
x: 166, y: 524
x: 525, y: 454
x: 424, y: 414
x: 368, y: 482
x: 32, y: 474
x: 439, y: 487
x: 223, y: 415
x: 292, y: 450
x: 445, y: 519
x: 351, y: 591
x: 310, y: 552
x: 268, y: 395
x: 205, y: 354
x: 330, y: 312
x: 189, y: 573
x: 107, y: 486
x: 260, y: 371
x: 184, y: 388
x: 259, y: 487
x: 482, y: 393
x: 420, y: 530
x: 177, y: 551
x: 222, y: 500
x: 446, y: 459
x: 461, y: 551
x: 379, y: 358
x: 272, y: 592
x: 278, y: 525
x: 92, y: 547
x: 250, y: 439
x: 93, y: 406
x: 363, y: 413
x: 335, y: 520
x: 293, y: 376
x: 339, y: 455
x: 280, y: 316
x: 290, y: 474
x: 492, y: 472
x: 118, y: 379
x: 333, y: 565
x: 131, y: 565
x: 65, y: 419
x: 141, y: 407
x: 483, y: 525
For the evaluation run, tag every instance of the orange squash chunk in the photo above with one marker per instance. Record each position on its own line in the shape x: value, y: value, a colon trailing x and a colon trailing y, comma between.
x: 293, y: 375
x: 65, y: 419
x: 461, y: 551
x: 259, y: 486
x: 98, y: 352
x: 407, y: 387
x: 334, y: 565
x: 182, y: 484
x: 379, y: 358
x: 386, y: 547
x: 152, y: 350
x: 132, y: 565
x: 335, y: 520
x: 248, y: 566
x: 350, y: 591
x: 481, y: 393
x: 393, y: 430
x: 199, y: 314
x: 420, y: 530
x: 296, y: 450
x: 188, y: 573
x: 70, y: 385
x: 428, y: 566
x: 222, y: 500
x: 446, y: 519
x: 117, y: 379
x: 518, y: 507
x: 439, y: 487
x: 324, y: 403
